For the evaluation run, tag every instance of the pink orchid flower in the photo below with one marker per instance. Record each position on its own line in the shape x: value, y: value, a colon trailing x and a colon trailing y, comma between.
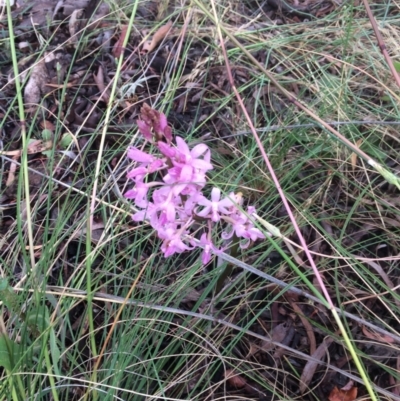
x: 213, y: 208
x: 173, y: 242
x: 242, y: 227
x: 172, y: 207
x: 185, y: 157
x: 207, y: 247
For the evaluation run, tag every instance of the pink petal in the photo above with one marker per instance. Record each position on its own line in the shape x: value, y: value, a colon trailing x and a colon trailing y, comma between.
x: 205, y: 212
x: 156, y: 165
x: 131, y: 194
x: 168, y: 250
x: 168, y: 134
x: 255, y: 233
x: 144, y: 130
x: 203, y: 201
x: 224, y: 206
x: 139, y: 156
x: 139, y: 216
x: 208, y: 246
x: 215, y: 194
x: 166, y: 150
x: 136, y: 172
x: 227, y: 234
x: 199, y: 179
x: 202, y: 165
x: 240, y: 231
x: 226, y: 202
x: 186, y: 174
x: 162, y: 122
x: 182, y: 146
x: 205, y: 257
x: 170, y: 211
x: 215, y: 216
x: 162, y: 219
x: 204, y: 240
x: 198, y: 150
x: 148, y: 213
x: 178, y: 188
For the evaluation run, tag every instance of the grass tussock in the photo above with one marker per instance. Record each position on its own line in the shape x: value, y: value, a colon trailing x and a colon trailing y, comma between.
x: 92, y: 310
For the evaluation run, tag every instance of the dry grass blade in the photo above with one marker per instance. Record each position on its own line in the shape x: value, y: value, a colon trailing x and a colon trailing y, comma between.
x: 307, y: 325
x: 311, y: 366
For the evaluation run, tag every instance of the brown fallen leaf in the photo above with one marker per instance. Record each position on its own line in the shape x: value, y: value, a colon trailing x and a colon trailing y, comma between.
x: 278, y: 334
x: 307, y: 325
x: 46, y: 124
x: 234, y: 379
x: 343, y: 395
x: 99, y: 79
x: 377, y: 336
x: 36, y: 85
x: 118, y: 47
x: 74, y: 25
x: 280, y: 352
x: 312, y: 364
x: 161, y: 33
x: 97, y: 231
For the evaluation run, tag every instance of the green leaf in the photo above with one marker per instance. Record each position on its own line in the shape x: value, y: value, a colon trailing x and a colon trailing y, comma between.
x: 3, y: 284
x: 66, y: 140
x: 9, y: 297
x: 396, y: 65
x: 55, y: 351
x: 10, y: 352
x: 48, y: 153
x: 36, y: 320
x: 47, y: 135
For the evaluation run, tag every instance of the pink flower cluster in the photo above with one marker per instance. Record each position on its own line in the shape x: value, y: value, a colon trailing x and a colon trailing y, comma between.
x: 177, y: 207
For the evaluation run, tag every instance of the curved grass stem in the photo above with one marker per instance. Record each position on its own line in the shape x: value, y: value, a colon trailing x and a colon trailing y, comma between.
x: 24, y: 155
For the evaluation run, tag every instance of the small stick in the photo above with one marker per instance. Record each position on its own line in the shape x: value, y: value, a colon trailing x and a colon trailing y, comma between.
x: 381, y: 43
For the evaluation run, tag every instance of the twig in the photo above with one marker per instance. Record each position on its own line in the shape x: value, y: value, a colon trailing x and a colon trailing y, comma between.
x: 381, y: 43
